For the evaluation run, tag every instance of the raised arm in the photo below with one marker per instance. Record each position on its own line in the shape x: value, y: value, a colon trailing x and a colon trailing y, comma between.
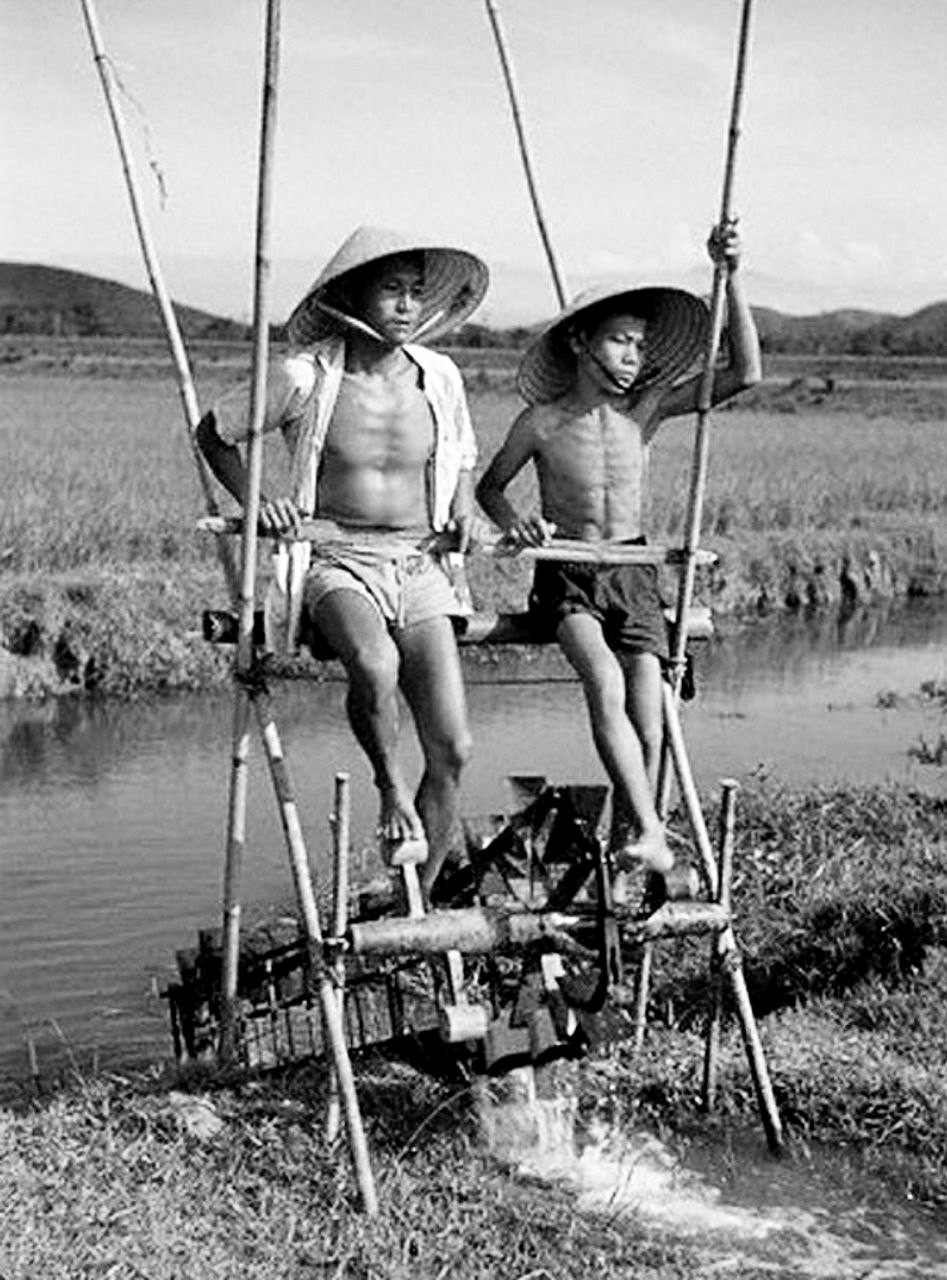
x: 517, y: 449
x: 743, y: 368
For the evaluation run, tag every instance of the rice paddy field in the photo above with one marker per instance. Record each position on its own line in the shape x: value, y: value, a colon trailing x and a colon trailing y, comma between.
x: 825, y: 486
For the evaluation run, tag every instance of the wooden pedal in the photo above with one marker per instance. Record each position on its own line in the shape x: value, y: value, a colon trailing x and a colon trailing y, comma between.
x: 407, y: 853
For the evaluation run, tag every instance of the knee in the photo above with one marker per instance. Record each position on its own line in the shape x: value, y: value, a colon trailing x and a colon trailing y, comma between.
x: 373, y: 670
x: 449, y: 755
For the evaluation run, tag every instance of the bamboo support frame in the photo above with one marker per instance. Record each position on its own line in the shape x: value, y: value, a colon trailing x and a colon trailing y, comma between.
x: 249, y: 700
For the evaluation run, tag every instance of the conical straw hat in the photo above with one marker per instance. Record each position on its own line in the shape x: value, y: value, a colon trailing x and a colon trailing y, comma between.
x: 454, y: 285
x: 678, y: 325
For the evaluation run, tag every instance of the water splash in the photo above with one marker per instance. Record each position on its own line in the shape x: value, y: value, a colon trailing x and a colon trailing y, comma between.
x: 777, y: 1213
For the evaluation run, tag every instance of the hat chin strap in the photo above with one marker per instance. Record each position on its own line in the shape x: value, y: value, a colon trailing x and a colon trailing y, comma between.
x: 600, y: 364
x: 429, y: 323
x: 352, y: 321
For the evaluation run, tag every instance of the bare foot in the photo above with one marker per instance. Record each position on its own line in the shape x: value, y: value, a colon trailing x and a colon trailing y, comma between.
x: 649, y: 851
x: 400, y: 827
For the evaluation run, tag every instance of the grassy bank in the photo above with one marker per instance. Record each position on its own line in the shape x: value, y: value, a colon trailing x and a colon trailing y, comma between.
x: 812, y: 499
x: 841, y: 902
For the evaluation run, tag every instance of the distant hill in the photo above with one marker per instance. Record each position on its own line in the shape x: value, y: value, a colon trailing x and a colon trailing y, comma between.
x: 853, y: 332
x: 51, y: 300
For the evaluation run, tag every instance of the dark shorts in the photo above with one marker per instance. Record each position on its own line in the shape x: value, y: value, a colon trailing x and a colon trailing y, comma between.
x: 624, y: 598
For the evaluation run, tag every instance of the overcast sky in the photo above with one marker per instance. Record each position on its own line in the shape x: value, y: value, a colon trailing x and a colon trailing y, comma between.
x: 394, y: 112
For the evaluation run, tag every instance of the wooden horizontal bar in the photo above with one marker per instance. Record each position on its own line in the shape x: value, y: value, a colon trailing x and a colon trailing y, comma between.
x: 469, y: 930
x: 573, y: 550
x: 219, y: 626
x: 490, y: 930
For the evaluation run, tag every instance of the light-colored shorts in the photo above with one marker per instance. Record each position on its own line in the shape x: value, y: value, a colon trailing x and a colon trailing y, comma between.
x: 405, y: 585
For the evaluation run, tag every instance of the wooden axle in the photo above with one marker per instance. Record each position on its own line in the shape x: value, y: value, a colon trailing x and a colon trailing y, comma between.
x: 488, y: 930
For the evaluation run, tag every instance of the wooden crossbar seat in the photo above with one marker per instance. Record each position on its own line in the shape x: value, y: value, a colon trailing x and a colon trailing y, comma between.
x: 487, y: 542
x: 220, y: 626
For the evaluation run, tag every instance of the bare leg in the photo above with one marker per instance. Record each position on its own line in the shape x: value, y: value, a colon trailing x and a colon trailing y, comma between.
x: 616, y: 740
x: 643, y: 708
x: 358, y: 635
x: 433, y: 685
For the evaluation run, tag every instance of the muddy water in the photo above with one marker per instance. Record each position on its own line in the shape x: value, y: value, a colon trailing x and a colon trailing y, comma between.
x: 112, y: 819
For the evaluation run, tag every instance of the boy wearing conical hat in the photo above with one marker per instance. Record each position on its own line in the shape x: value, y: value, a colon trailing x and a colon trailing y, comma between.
x: 381, y: 444
x: 599, y: 381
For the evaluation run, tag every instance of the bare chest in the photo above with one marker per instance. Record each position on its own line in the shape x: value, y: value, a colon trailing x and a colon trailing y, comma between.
x: 600, y: 449
x: 380, y: 423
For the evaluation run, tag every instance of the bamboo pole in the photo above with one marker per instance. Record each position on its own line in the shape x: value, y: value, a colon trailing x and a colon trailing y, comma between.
x: 725, y: 842
x: 674, y: 735
x: 169, y: 320
x: 299, y: 863
x: 341, y: 815
x: 233, y: 869
x: 509, y: 76
x: 698, y: 478
x: 705, y: 389
x: 251, y: 510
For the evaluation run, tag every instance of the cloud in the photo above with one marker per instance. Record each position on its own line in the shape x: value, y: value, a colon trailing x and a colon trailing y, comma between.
x: 677, y: 249
x: 845, y: 261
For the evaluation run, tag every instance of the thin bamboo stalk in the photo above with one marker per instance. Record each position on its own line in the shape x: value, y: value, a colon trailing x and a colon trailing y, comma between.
x: 159, y: 289
x: 254, y: 455
x: 725, y: 843
x: 341, y: 814
x: 705, y: 391
x: 509, y: 76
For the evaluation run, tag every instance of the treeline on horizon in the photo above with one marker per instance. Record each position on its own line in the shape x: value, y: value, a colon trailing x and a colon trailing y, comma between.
x: 54, y: 302
x: 818, y: 335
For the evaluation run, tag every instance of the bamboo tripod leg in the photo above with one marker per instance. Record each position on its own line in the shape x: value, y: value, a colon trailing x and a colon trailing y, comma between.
x: 766, y: 1100
x: 687, y: 786
x: 675, y: 750
x: 724, y: 877
x: 328, y: 995
x: 340, y: 893
x: 233, y: 868
x: 726, y: 960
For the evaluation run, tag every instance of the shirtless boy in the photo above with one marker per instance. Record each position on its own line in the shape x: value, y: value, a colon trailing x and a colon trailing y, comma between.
x: 599, y: 381
x: 380, y: 443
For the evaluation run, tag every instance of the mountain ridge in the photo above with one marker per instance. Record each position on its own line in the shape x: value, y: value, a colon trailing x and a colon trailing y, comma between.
x: 43, y: 300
